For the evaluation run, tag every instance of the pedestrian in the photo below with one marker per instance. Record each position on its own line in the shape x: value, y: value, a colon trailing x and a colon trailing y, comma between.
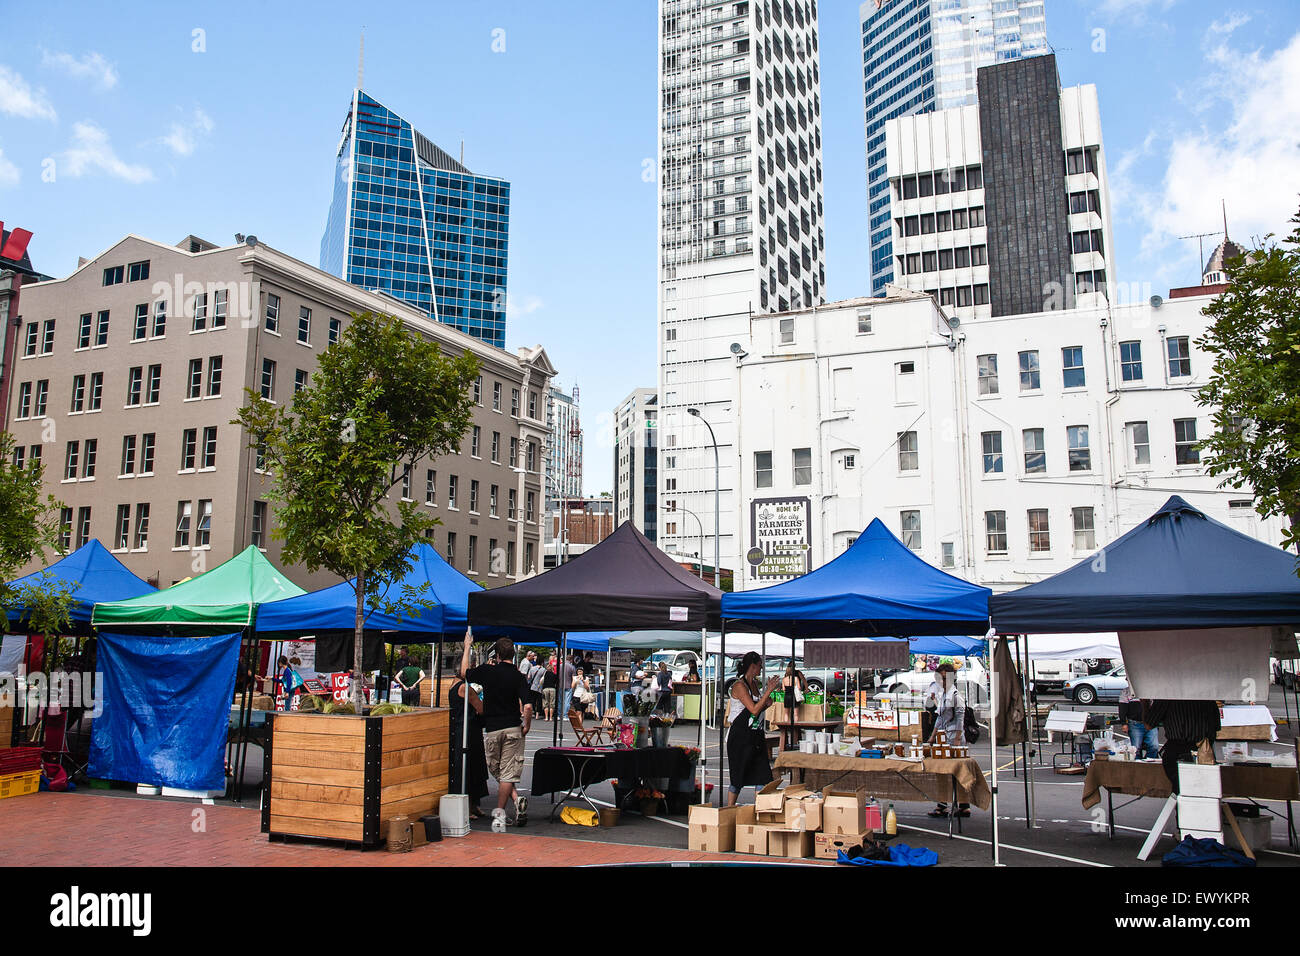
x: 663, y: 684
x: 536, y: 677
x: 567, y: 670
x: 289, y: 679
x: 475, y: 759
x: 527, y: 663
x: 507, y: 718
x: 582, y: 696
x: 550, y: 684
x: 1132, y: 712
x: 747, y: 758
x: 408, y: 678
x: 949, y: 710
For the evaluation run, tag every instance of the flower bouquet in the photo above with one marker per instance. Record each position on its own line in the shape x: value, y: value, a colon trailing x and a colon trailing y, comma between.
x: 648, y: 798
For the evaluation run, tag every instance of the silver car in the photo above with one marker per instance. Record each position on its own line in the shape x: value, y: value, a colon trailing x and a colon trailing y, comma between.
x: 1094, y: 687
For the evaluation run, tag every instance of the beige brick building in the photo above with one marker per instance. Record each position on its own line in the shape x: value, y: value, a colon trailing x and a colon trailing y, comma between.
x: 129, y: 371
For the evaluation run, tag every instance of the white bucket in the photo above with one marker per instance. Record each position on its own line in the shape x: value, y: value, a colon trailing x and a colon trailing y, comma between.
x: 453, y: 813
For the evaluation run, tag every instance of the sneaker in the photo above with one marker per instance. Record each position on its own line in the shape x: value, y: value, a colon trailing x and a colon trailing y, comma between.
x: 498, y: 821
x: 521, y: 811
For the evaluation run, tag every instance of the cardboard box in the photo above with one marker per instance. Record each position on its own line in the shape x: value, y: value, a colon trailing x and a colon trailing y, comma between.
x: 1198, y: 813
x: 844, y: 811
x: 826, y: 846
x: 769, y: 804
x: 797, y: 844
x: 751, y: 836
x: 811, y: 805
x: 1197, y: 780
x: 777, y: 715
x: 711, y: 829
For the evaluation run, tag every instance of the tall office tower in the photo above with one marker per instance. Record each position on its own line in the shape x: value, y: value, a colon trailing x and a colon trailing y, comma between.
x: 922, y: 55
x: 636, y: 462
x: 408, y: 220
x: 1003, y: 207
x: 563, y: 448
x: 739, y: 159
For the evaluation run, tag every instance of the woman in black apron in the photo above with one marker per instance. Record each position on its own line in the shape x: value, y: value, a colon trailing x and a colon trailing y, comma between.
x: 477, y: 762
x: 747, y: 761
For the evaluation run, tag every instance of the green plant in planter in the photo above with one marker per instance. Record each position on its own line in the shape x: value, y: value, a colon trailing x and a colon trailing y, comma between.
x: 388, y: 708
x: 338, y: 707
x: 311, y: 704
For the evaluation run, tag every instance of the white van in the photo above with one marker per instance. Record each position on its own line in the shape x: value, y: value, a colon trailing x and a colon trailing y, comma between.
x: 1051, y: 675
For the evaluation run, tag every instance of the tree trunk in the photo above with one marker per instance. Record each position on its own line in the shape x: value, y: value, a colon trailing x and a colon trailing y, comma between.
x: 358, y: 645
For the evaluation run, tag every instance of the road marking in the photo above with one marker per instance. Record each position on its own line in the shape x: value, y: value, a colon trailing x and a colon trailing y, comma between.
x: 671, y: 823
x: 1006, y: 846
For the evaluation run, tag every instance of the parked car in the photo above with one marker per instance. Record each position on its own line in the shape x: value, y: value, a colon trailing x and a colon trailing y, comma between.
x: 1050, y: 675
x: 1093, y: 687
x: 918, y: 682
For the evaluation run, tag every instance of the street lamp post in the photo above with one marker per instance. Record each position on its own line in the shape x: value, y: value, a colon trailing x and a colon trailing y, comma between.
x: 688, y: 511
x: 717, y: 498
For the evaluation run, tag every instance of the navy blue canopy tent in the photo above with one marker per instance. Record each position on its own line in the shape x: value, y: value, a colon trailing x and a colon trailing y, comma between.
x: 877, y: 587
x: 1177, y: 570
x: 94, y: 574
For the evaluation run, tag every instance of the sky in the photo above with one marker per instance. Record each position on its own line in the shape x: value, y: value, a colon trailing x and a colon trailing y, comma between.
x: 169, y: 119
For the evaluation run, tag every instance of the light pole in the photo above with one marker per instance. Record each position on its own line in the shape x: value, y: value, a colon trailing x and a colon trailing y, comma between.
x: 717, y: 497
x: 677, y: 508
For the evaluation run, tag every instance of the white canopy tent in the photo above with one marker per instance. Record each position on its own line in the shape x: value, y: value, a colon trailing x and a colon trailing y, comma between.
x: 1073, y: 647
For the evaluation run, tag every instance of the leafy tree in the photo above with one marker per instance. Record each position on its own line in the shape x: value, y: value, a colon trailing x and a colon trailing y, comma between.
x: 29, y: 524
x: 1254, y: 389
x: 382, y: 399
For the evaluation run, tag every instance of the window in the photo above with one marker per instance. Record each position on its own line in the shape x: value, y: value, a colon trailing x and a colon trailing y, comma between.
x: 65, y: 527
x: 83, y: 526
x: 189, y: 448
x: 42, y: 398
x: 510, y: 558
x: 762, y: 469
x: 988, y: 374
x: 909, y: 458
x: 911, y: 524
x: 128, y: 455
x: 114, y: 275
x: 47, y: 341
x: 995, y: 532
x: 514, y: 452
x: 802, y: 460
x: 214, y: 376
x: 514, y: 402
x: 452, y: 485
x: 304, y: 325
x: 25, y: 400
x: 406, y: 483
x: 532, y: 405
x: 850, y: 462
x: 203, y: 532
x: 268, y: 379
x: 219, y: 305
x: 512, y: 504
x: 123, y: 536
x: 210, y: 447
x: 864, y: 322
x: 1040, y: 538
x: 137, y: 271
x: 904, y: 382
x: 155, y: 385
x: 147, y: 444
x: 964, y: 297
x: 496, y: 447
x: 992, y: 442
x: 1029, y: 372
x: 1035, y: 451
x: 194, y: 385
x: 184, y: 514
x: 257, y: 533
x: 1080, y: 453
x: 1085, y: 538
x: 33, y: 330
x: 787, y: 331
x: 1180, y: 358
x: 496, y: 396
x: 1072, y: 366
x: 451, y: 547
x: 299, y: 380
x: 259, y: 457
x: 948, y: 557
x: 493, y: 495
x: 1185, y: 450
x: 71, y: 461
x: 200, y: 312
x: 96, y: 391
x: 1130, y: 361
x: 981, y: 293
x: 473, y: 496
x: 273, y: 313
x: 494, y: 565
x: 473, y: 555
x: 88, y: 460
x: 141, y: 527
x: 140, y: 328
x: 430, y: 487
x: 159, y: 319
x: 336, y: 328
x: 475, y: 440
x: 531, y: 456
x: 78, y: 394
x: 1139, y: 443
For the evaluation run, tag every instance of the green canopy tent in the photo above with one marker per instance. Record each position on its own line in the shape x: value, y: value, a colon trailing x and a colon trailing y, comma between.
x: 221, y: 601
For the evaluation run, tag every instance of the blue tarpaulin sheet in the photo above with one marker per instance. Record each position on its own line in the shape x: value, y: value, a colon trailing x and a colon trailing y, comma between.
x: 166, y: 710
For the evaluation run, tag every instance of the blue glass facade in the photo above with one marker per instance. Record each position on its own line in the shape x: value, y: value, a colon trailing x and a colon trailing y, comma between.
x: 410, y: 221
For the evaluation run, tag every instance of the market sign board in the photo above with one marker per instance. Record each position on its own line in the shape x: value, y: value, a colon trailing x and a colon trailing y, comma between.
x: 780, y: 533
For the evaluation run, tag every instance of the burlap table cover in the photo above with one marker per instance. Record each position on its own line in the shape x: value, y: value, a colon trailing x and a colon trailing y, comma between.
x: 1136, y: 779
x: 893, y: 779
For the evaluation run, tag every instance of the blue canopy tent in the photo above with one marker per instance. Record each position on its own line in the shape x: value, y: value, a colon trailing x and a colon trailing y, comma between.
x: 94, y: 574
x: 954, y: 645
x: 1179, y: 569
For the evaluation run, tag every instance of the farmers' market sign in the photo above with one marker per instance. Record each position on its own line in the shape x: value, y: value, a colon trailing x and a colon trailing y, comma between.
x: 780, y: 533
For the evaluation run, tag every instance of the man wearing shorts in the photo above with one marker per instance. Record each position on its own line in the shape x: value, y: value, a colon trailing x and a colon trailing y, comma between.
x: 507, y: 717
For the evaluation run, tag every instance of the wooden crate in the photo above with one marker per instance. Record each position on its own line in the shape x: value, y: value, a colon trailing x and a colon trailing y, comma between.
x: 426, y: 690
x: 342, y: 777
x: 6, y: 727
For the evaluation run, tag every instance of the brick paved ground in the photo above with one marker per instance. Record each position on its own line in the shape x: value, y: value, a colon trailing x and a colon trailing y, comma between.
x: 96, y: 829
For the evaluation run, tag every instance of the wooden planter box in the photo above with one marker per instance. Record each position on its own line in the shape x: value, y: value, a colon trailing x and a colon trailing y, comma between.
x: 426, y: 690
x: 343, y: 777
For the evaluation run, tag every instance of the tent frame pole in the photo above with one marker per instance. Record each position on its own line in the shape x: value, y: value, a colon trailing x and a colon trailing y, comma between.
x: 993, y: 746
x: 436, y: 695
x: 701, y: 773
x: 246, y: 717
x: 1029, y: 737
x: 721, y: 679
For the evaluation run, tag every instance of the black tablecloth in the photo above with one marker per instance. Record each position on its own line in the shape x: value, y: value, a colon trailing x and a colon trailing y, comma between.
x: 553, y: 767
x: 645, y: 762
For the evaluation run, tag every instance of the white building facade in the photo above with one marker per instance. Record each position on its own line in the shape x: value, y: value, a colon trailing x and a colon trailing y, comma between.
x: 563, y: 448
x: 1004, y: 450
x: 636, y: 462
x: 740, y: 226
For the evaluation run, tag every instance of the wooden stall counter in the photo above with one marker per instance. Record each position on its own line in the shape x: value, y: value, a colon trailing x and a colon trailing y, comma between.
x: 342, y: 776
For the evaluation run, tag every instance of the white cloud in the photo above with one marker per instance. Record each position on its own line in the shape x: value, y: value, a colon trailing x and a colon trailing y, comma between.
x: 519, y: 306
x: 9, y: 174
x: 1251, y: 160
x: 91, y: 151
x: 183, y: 137
x: 89, y: 65
x: 1228, y: 24
x: 19, y: 99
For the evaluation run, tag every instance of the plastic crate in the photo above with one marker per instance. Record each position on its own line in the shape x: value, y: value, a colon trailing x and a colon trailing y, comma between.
x: 20, y: 784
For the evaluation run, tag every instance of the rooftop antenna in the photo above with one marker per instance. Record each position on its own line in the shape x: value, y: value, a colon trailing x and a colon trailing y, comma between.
x: 1224, y: 204
x: 462, y: 151
x: 1200, y: 240
x: 361, y: 60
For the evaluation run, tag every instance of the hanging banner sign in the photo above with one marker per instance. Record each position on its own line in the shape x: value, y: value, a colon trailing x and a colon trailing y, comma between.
x: 780, y: 530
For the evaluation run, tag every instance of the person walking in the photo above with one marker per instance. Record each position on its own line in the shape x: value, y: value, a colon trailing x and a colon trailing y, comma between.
x: 663, y: 684
x: 507, y: 718
x: 550, y: 685
x: 747, y: 759
x: 949, y: 708
x: 536, y: 677
x: 475, y: 759
x: 1132, y: 712
x: 567, y: 670
x: 408, y: 678
x: 582, y: 696
x: 527, y: 663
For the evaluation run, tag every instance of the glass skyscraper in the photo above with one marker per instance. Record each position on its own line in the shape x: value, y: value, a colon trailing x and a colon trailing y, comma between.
x: 919, y: 56
x: 408, y: 220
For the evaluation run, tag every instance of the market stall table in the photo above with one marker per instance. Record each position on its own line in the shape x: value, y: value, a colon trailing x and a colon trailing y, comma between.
x: 950, y: 781
x: 574, y: 769
x: 1141, y: 778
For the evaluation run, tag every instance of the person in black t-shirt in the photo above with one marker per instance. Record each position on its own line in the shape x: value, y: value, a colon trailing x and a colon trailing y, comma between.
x: 507, y: 717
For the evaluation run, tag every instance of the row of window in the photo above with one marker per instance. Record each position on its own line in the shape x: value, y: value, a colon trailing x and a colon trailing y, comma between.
x: 996, y: 544
x: 475, y: 500
x: 497, y: 392
x: 1079, y: 449
x: 939, y: 184
x: 1178, y: 356
x: 960, y: 257
x: 943, y: 221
